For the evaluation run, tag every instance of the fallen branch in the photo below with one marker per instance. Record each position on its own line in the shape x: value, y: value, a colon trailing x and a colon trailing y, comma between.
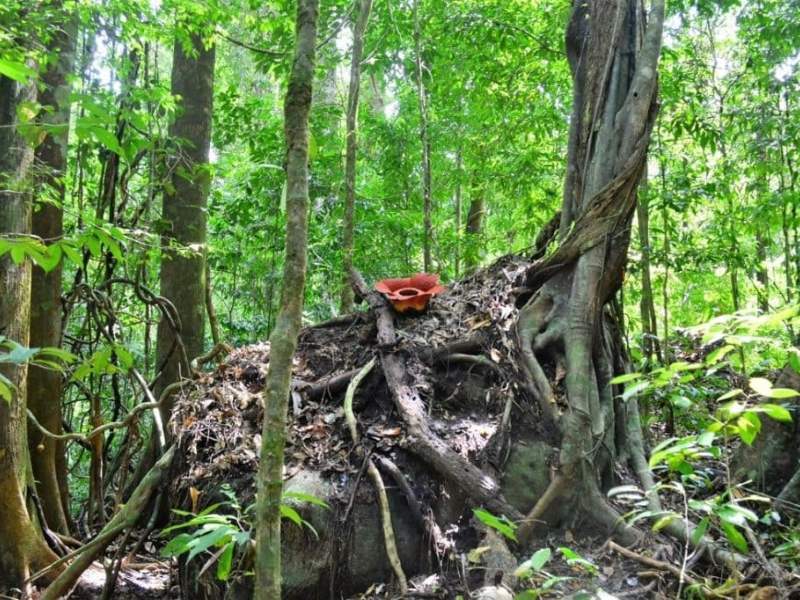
x: 332, y: 384
x: 652, y: 562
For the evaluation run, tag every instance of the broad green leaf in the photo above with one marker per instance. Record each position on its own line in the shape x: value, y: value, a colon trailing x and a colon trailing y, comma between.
x: 16, y: 70
x: 775, y: 411
x: 625, y: 378
x: 225, y: 562
x: 700, y: 530
x: 734, y: 537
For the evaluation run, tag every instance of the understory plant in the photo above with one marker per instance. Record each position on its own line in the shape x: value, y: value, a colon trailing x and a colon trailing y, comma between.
x: 219, y: 529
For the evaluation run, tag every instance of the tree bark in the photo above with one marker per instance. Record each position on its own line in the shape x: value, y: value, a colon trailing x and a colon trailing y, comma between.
x: 474, y: 227
x: 21, y: 545
x: 613, y: 56
x: 184, y: 213
x: 283, y: 340
x: 362, y: 11
x: 44, y: 385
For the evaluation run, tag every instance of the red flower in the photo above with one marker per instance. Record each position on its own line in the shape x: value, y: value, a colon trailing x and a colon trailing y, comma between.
x: 410, y: 293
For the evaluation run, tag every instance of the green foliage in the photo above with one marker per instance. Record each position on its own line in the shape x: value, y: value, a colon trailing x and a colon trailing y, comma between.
x: 500, y: 524
x: 221, y: 528
x: 12, y: 353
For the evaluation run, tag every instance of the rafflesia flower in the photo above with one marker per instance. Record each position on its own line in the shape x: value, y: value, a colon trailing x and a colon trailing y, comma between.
x: 410, y: 294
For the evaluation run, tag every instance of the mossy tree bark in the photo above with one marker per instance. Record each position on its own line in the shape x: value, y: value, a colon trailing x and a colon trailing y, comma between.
x: 613, y: 55
x: 362, y: 11
x: 283, y: 340
x: 44, y: 385
x: 21, y: 545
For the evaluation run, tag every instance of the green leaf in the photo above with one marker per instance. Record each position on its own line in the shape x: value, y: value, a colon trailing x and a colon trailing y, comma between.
x: 735, y: 514
x: 731, y: 394
x: 225, y: 562
x: 735, y: 537
x: 288, y: 512
x: 16, y: 70
x: 311, y: 499
x: 633, y: 390
x: 534, y: 563
x: 761, y: 386
x: 700, y: 530
x: 107, y: 139
x: 177, y: 545
x: 748, y: 427
x: 775, y: 411
x: 664, y: 521
x: 625, y: 378
x: 499, y: 524
x: 206, y: 541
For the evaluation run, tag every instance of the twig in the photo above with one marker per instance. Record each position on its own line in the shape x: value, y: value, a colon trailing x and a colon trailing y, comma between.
x: 652, y: 562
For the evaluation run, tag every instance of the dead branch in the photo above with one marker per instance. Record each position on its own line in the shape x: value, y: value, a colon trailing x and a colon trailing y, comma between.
x: 652, y: 562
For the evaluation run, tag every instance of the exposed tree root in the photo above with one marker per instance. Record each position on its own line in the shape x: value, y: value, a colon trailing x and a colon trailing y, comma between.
x: 421, y: 440
x: 377, y: 481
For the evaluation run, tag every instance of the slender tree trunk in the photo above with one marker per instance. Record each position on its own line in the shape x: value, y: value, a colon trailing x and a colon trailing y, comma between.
x: 44, y: 385
x: 362, y: 11
x: 424, y: 142
x: 474, y: 226
x: 650, y: 345
x: 21, y: 545
x: 666, y: 248
x: 283, y: 340
x: 614, y: 58
x: 213, y: 321
x: 762, y: 272
x: 459, y: 217
x: 184, y: 212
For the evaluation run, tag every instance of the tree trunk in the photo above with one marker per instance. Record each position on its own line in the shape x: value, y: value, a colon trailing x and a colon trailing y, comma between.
x: 762, y: 272
x: 44, y: 385
x: 650, y: 345
x: 21, y: 545
x: 283, y: 340
x: 424, y: 142
x: 180, y: 337
x: 362, y: 10
x: 184, y: 212
x: 613, y: 57
x: 474, y: 228
x: 459, y: 168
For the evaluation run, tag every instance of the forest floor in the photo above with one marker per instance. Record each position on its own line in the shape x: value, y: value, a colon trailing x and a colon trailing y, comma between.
x: 218, y: 422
